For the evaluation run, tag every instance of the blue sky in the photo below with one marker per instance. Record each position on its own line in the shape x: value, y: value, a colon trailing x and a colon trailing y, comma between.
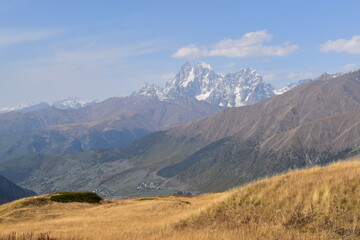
x: 97, y: 49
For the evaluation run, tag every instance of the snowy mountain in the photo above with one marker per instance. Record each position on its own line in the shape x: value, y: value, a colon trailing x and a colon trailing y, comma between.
x: 25, y: 106
x: 72, y: 103
x: 200, y: 82
x: 241, y: 88
x: 203, y: 83
x: 67, y: 103
x: 193, y: 81
x: 232, y: 90
x: 152, y: 90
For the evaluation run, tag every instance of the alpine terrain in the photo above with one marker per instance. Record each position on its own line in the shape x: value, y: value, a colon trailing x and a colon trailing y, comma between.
x: 314, y: 123
x: 72, y: 125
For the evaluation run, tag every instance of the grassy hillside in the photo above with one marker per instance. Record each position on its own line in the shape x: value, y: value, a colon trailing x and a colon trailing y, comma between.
x: 317, y: 203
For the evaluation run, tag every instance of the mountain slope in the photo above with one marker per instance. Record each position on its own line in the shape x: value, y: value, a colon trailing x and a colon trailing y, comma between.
x: 308, y: 102
x: 9, y: 191
x: 312, y: 124
x: 316, y: 203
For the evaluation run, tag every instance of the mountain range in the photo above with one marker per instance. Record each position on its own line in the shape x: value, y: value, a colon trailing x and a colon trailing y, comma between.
x: 314, y: 123
x: 67, y: 103
x: 199, y: 81
x: 72, y: 125
x: 112, y: 123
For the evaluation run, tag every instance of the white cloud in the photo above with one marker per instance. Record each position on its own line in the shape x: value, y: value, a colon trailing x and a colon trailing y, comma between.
x: 299, y: 75
x: 167, y: 76
x: 249, y: 45
x: 190, y: 51
x: 230, y: 65
x: 349, y: 67
x: 11, y: 36
x: 351, y: 46
x: 269, y: 77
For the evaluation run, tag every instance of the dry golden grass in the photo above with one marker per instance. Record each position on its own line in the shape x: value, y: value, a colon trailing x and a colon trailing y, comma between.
x: 318, y: 203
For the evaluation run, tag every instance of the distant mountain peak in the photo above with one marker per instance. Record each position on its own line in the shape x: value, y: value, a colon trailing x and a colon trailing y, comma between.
x: 72, y: 103
x: 202, y: 83
x: 152, y: 90
x: 327, y: 76
x: 232, y: 90
x: 203, y: 65
x: 23, y: 104
x: 66, y: 103
x: 186, y: 65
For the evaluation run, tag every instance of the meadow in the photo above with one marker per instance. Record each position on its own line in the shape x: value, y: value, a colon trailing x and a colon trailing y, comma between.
x: 316, y: 203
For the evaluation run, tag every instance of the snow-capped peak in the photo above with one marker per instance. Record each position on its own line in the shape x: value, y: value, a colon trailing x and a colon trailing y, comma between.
x: 67, y: 103
x: 152, y: 90
x: 203, y: 65
x: 22, y: 105
x: 72, y: 102
x: 203, y: 83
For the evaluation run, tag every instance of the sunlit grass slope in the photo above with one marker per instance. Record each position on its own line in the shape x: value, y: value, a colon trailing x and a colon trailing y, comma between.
x: 317, y: 203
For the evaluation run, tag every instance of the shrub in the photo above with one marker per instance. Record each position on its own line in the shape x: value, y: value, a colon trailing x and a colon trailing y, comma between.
x: 83, y: 197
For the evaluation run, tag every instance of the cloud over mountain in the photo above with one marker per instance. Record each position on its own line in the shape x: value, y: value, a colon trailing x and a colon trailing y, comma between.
x: 249, y: 45
x: 351, y: 46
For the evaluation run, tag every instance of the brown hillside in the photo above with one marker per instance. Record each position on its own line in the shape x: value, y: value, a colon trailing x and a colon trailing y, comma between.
x: 331, y: 134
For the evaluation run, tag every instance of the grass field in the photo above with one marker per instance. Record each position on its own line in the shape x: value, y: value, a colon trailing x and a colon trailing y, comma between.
x: 317, y: 203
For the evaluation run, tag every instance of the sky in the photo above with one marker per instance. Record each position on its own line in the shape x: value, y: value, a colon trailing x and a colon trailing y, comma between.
x: 93, y: 50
